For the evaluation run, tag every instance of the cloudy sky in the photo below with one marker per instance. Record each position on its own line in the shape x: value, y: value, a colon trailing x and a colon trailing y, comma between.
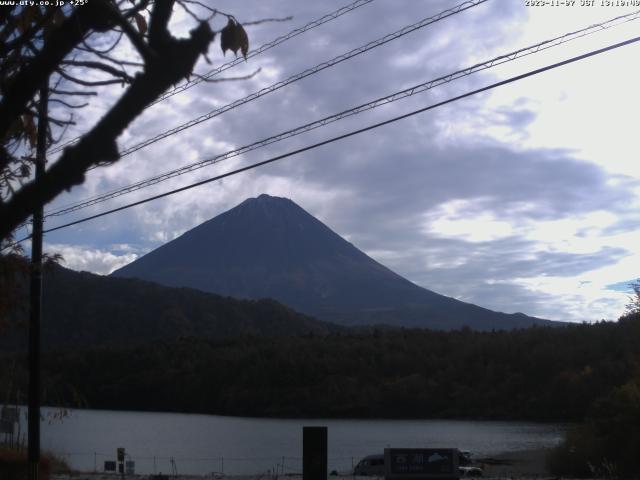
x: 525, y: 198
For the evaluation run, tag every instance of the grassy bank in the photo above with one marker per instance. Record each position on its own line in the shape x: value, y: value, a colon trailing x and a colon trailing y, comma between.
x: 13, y: 464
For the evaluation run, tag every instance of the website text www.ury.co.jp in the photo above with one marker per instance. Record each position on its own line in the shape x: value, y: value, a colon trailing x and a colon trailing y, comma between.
x: 42, y: 3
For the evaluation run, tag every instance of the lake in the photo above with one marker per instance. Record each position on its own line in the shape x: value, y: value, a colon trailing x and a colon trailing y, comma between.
x: 200, y: 444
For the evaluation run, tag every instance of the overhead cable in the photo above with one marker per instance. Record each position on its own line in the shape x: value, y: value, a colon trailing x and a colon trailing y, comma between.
x: 343, y: 136
x: 226, y: 66
x: 267, y: 46
x: 306, y: 73
x: 541, y: 46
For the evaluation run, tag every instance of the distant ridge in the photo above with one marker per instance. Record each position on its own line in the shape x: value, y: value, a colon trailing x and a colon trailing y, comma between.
x: 83, y: 310
x: 269, y: 247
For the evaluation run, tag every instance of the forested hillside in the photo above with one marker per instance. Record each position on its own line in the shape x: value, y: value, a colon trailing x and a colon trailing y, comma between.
x: 539, y: 374
x: 83, y: 310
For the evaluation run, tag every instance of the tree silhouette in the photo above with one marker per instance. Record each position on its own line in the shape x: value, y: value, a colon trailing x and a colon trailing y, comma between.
x: 42, y: 43
x: 633, y: 307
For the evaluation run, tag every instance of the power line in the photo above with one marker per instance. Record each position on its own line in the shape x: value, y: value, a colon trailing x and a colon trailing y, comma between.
x: 541, y: 46
x: 310, y: 71
x: 373, y: 44
x: 263, y: 48
x: 346, y: 135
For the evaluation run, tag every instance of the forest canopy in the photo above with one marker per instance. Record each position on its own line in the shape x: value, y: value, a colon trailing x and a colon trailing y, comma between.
x: 553, y: 374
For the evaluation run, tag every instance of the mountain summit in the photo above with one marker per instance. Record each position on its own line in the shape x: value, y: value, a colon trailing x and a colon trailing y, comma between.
x: 269, y: 247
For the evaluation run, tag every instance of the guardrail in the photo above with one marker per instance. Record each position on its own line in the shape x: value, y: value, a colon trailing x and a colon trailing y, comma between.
x: 214, y: 465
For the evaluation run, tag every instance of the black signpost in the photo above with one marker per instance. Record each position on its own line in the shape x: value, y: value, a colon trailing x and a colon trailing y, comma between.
x: 314, y: 453
x: 421, y: 463
x: 120, y: 456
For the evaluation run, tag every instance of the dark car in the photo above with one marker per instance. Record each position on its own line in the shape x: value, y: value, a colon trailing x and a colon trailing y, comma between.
x: 372, y: 465
x: 470, y: 471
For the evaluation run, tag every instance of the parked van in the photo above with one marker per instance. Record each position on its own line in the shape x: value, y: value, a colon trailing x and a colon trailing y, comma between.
x: 373, y: 465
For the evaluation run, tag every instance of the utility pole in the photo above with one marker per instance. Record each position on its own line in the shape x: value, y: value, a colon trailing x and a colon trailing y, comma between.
x: 35, y: 294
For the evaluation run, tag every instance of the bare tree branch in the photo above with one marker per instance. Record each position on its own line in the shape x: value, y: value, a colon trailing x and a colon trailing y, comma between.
x: 93, y: 49
x: 268, y: 20
x: 62, y: 40
x: 99, y: 145
x: 134, y: 37
x: 158, y: 32
x: 213, y: 11
x: 108, y: 58
x: 69, y: 92
x: 100, y: 66
x: 190, y: 13
x: 28, y: 35
x: 61, y: 123
x: 9, y: 23
x: 87, y: 83
x: 66, y: 104
x: 55, y: 120
x: 136, y: 9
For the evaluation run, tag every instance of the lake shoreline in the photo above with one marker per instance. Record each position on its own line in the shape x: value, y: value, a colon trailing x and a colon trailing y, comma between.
x: 312, y: 418
x: 518, y: 464
x: 235, y: 446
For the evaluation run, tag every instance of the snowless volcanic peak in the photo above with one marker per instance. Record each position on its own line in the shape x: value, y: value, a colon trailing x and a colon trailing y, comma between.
x: 269, y: 247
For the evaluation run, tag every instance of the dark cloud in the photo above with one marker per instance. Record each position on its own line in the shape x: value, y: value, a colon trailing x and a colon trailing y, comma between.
x: 484, y: 273
x: 384, y: 188
x: 409, y: 176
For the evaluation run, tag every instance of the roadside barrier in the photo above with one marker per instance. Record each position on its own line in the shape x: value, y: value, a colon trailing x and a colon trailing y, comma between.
x: 210, y: 466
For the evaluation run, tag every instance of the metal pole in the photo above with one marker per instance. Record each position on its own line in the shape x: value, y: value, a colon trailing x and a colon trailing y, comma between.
x: 36, y: 297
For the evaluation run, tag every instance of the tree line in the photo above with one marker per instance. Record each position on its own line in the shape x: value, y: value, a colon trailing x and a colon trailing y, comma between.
x: 540, y: 373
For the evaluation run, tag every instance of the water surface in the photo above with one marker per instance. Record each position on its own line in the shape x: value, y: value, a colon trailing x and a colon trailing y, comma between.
x: 201, y: 444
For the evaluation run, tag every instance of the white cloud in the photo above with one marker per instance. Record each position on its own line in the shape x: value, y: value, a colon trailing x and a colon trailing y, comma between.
x: 579, y: 299
x: 458, y: 219
x: 511, y: 199
x: 100, y: 261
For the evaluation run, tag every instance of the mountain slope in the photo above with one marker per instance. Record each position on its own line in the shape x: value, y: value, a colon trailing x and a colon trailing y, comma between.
x: 269, y: 247
x: 81, y: 309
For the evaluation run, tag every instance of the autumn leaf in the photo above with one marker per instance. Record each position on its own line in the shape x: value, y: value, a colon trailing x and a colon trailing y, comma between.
x: 141, y: 22
x: 243, y: 40
x: 233, y: 37
x: 226, y: 37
